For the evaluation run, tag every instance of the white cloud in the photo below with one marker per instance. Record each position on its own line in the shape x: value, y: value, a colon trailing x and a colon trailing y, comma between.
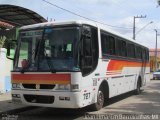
x: 94, y: 1
x: 146, y: 36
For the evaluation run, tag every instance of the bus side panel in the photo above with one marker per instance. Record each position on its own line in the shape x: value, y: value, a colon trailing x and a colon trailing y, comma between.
x: 91, y: 83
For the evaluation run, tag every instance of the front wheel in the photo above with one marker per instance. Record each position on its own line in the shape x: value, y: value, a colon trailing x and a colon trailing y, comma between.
x: 100, y: 101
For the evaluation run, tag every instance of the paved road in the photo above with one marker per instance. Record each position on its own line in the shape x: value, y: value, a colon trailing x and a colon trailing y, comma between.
x: 148, y: 102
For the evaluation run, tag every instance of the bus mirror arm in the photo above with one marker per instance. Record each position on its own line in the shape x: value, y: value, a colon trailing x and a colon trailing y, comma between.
x: 8, y: 49
x: 9, y: 44
x: 10, y: 58
x: 8, y: 52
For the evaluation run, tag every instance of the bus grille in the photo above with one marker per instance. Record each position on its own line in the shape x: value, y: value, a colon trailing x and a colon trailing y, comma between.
x: 39, y: 99
x: 42, y: 86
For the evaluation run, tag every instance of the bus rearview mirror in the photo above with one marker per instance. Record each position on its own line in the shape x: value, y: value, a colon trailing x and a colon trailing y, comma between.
x: 86, y: 31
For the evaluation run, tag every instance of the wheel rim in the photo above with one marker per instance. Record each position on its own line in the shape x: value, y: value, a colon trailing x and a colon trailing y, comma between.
x: 100, y: 99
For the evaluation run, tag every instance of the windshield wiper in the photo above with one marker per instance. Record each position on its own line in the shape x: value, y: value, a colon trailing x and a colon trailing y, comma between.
x: 50, y: 65
x: 29, y: 61
x: 37, y: 49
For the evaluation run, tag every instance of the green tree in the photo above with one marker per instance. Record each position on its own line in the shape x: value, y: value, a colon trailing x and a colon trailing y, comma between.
x: 2, y: 41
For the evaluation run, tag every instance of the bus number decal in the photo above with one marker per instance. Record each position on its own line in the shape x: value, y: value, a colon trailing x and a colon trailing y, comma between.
x: 86, y: 96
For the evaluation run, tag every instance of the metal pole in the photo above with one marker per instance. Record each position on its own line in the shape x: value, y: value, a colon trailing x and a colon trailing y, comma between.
x: 156, y: 52
x: 134, y: 28
x: 134, y: 25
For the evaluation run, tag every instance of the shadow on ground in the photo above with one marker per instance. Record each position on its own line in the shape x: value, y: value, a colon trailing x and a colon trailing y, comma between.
x: 148, y: 102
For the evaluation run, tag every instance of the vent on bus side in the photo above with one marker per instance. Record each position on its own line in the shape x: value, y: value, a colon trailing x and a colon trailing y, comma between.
x: 39, y: 99
x: 29, y: 86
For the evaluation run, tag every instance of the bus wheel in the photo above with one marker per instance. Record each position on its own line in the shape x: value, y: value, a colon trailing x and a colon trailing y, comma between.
x: 100, y: 101
x: 138, y: 89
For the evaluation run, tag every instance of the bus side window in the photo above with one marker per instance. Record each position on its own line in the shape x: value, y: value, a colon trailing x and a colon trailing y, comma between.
x: 138, y: 52
x: 143, y: 55
x: 103, y: 44
x: 124, y: 51
x: 121, y: 48
x: 131, y: 50
x: 110, y: 45
x: 147, y: 53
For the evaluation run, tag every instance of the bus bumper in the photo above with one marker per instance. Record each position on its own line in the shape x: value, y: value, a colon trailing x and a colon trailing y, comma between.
x: 48, y: 98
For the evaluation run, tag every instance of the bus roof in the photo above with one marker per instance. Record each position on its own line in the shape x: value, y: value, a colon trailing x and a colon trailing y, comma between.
x: 100, y: 26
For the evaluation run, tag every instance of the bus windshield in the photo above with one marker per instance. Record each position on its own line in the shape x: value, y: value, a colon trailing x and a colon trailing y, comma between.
x: 50, y: 50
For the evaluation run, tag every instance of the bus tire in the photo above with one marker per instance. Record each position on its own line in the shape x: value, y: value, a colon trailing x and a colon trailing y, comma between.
x: 100, y: 101
x: 138, y: 89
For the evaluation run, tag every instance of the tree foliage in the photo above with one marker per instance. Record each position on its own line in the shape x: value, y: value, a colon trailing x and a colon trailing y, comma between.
x: 2, y: 41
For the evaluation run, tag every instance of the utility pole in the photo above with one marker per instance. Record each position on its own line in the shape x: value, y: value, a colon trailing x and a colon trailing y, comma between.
x: 134, y: 24
x: 156, y: 51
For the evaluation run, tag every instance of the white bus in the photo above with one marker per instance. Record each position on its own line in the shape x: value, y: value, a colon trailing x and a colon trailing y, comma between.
x: 75, y: 64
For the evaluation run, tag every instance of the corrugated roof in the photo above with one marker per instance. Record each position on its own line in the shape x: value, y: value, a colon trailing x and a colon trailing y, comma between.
x: 19, y: 16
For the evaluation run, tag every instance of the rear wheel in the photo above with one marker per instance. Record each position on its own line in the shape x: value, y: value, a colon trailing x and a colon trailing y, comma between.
x: 138, y: 89
x: 100, y: 101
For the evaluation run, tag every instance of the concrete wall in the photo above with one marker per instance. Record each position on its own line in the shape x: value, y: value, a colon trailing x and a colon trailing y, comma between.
x: 5, y: 75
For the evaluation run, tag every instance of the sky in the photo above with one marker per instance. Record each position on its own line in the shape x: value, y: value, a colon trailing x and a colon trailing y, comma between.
x: 117, y: 13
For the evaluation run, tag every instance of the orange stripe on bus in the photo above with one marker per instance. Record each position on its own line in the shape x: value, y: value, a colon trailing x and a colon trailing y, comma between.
x: 119, y: 65
x: 41, y: 78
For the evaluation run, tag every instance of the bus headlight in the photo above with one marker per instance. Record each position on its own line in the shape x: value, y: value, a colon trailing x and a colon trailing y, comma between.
x: 63, y: 87
x: 74, y: 87
x: 16, y: 85
x: 16, y: 96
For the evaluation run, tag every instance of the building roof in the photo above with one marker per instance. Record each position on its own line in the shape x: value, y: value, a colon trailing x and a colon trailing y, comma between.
x: 152, y: 52
x: 19, y: 16
x: 5, y: 25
